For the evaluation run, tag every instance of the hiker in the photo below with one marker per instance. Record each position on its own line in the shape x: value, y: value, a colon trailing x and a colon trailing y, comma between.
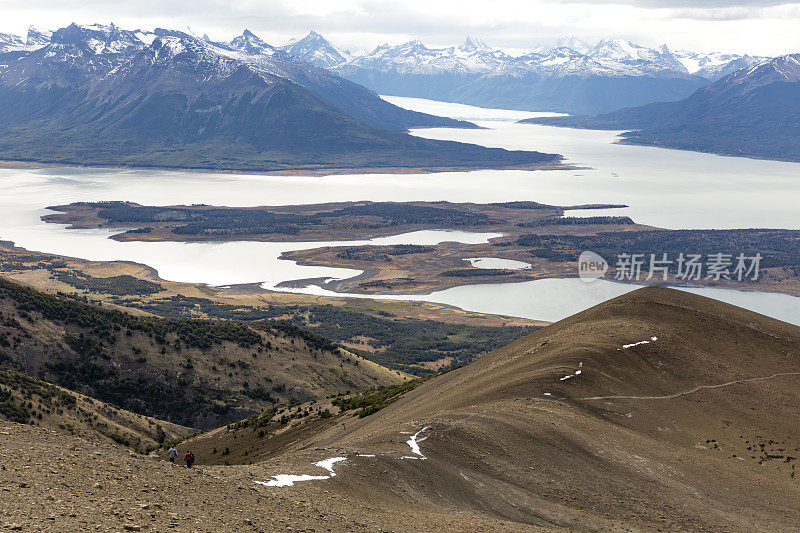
x: 173, y: 454
x: 189, y: 459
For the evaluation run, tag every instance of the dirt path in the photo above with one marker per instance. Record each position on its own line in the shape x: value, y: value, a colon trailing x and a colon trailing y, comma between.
x: 690, y: 391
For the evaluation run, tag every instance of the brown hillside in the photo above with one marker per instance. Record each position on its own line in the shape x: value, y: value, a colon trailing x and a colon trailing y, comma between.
x: 697, y: 430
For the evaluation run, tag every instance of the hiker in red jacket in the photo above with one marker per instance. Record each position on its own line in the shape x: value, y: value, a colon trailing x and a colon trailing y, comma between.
x: 189, y: 459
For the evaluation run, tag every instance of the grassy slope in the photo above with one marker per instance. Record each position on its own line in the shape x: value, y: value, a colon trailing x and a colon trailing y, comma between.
x: 395, y: 334
x: 26, y: 400
x: 194, y: 372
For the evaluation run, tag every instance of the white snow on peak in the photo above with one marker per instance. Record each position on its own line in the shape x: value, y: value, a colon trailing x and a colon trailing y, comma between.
x: 146, y: 37
x: 315, y: 49
x: 573, y: 43
x: 33, y: 40
x: 37, y: 37
x: 472, y: 44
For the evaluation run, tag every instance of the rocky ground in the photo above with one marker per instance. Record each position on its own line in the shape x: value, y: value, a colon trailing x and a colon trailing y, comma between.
x: 50, y: 481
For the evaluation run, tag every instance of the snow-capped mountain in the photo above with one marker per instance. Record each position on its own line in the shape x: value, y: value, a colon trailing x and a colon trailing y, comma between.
x: 570, y: 75
x: 568, y: 56
x: 609, y: 58
x: 752, y: 112
x: 413, y: 69
x: 714, y: 66
x: 315, y: 49
x: 638, y: 59
x: 784, y: 70
x: 471, y: 57
x: 9, y: 42
x: 251, y: 44
x: 37, y: 37
x: 104, y: 95
x: 75, y: 54
x: 573, y: 43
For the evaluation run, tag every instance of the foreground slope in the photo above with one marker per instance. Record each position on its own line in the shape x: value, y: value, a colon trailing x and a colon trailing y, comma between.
x: 695, y: 430
x: 58, y: 483
x: 752, y: 112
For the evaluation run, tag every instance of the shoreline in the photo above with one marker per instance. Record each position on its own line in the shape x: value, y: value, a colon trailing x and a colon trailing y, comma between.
x: 425, y: 271
x: 86, y: 215
x: 297, y: 171
x: 256, y: 292
x: 253, y: 294
x: 334, y: 286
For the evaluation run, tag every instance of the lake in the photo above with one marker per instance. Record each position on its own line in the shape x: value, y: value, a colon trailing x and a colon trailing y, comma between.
x: 665, y: 188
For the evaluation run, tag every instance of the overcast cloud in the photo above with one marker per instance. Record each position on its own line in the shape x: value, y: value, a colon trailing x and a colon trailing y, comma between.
x: 755, y: 26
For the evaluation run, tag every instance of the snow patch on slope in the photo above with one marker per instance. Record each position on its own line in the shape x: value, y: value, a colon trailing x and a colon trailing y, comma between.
x: 287, y: 480
x: 626, y: 346
x: 413, y: 443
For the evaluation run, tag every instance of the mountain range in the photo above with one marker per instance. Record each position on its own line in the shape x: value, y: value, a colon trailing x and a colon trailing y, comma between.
x: 571, y: 76
x: 754, y: 112
x: 105, y: 95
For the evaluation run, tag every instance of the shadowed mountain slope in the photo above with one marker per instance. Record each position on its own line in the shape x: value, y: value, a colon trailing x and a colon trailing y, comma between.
x: 192, y: 372
x: 753, y: 112
x: 105, y: 96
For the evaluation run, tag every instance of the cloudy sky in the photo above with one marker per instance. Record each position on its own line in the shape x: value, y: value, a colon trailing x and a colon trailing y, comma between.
x: 746, y: 26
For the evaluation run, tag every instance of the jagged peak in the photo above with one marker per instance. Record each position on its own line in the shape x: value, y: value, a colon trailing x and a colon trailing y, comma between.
x: 248, y: 36
x: 36, y: 36
x: 573, y: 43
x: 414, y: 44
x: 251, y: 43
x: 472, y: 44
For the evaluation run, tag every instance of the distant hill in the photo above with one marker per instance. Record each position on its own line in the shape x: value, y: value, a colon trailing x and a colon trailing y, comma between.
x: 196, y: 373
x: 754, y: 112
x: 103, y: 95
x: 657, y: 410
